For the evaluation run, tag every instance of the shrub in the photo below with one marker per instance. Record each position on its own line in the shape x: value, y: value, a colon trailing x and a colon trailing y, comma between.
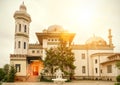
x: 118, y: 78
x: 0, y: 83
x: 45, y: 79
x: 117, y: 83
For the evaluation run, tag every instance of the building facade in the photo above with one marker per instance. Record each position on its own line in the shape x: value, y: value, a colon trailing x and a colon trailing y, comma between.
x: 93, y: 60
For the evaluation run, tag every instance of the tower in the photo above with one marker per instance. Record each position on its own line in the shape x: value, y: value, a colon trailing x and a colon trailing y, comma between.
x: 110, y: 37
x: 22, y: 22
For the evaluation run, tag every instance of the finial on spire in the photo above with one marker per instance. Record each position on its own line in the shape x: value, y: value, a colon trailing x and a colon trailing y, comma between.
x: 23, y: 7
x: 23, y: 3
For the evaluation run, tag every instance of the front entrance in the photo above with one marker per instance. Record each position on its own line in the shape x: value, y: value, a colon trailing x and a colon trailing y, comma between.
x: 35, y: 70
x: 34, y: 67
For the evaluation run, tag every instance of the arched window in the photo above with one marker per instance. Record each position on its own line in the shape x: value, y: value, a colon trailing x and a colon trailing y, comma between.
x: 96, y: 70
x: 19, y: 27
x: 15, y: 45
x: 18, y: 67
x: 83, y: 69
x: 19, y: 44
x: 25, y: 28
x: 24, y: 45
x: 83, y: 55
x: 16, y: 28
x: 33, y: 51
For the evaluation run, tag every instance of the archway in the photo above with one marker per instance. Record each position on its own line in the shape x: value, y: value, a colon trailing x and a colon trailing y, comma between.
x: 35, y: 67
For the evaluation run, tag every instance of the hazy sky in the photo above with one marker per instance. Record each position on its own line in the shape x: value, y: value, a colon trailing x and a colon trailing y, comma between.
x: 84, y: 17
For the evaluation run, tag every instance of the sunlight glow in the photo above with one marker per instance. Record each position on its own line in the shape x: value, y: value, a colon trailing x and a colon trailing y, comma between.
x: 84, y: 16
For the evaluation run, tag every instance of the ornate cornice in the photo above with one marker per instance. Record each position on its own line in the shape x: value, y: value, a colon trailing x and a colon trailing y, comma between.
x: 117, y: 55
x: 67, y: 36
x: 21, y: 34
x: 102, y: 54
x: 91, y: 47
x: 22, y: 15
x: 110, y: 61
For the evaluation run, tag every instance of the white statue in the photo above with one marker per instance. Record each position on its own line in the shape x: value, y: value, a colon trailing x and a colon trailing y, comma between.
x: 58, y: 74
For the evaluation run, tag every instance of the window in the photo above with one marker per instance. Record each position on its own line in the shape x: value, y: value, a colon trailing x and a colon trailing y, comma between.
x: 83, y: 56
x: 83, y: 69
x: 15, y: 45
x: 25, y: 28
x: 33, y: 51
x: 28, y: 30
x: 38, y: 51
x: 41, y: 51
x: 19, y: 27
x: 48, y: 39
x: 96, y: 70
x: 109, y: 69
x: 19, y: 44
x: 24, y: 45
x: 55, y: 39
x: 15, y: 28
x: 95, y: 61
x: 101, y: 70
x: 18, y: 67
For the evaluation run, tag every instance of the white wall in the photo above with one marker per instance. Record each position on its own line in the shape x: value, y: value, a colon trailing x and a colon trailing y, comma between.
x: 88, y: 62
x: 37, y: 52
x: 21, y: 50
x: 79, y: 62
x: 23, y: 67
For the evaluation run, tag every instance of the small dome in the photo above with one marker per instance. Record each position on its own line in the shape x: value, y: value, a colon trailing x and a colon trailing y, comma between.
x: 22, y: 7
x: 96, y: 41
x: 55, y: 29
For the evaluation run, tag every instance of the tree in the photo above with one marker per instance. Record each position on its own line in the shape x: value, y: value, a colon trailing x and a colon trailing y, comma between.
x: 6, y: 68
x: 118, y: 77
x: 6, y: 71
x: 60, y: 57
x: 2, y: 74
x: 118, y: 65
x: 11, y: 74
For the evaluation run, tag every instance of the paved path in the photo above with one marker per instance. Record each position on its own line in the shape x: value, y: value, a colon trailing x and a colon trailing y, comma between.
x: 68, y: 83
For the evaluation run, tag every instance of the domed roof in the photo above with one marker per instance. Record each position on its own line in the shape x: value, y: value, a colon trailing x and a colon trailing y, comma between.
x: 96, y: 41
x: 22, y: 7
x: 55, y: 29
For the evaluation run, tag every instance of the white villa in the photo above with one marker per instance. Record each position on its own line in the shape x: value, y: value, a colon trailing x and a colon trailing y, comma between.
x: 93, y: 60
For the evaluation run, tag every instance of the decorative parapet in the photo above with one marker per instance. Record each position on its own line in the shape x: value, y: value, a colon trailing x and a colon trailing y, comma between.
x: 35, y: 46
x: 18, y: 56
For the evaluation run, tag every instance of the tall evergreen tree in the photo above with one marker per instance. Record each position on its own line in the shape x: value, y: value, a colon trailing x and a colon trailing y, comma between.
x: 11, y: 74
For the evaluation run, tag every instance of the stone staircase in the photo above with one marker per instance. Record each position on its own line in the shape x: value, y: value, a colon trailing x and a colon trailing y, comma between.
x: 33, y: 79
